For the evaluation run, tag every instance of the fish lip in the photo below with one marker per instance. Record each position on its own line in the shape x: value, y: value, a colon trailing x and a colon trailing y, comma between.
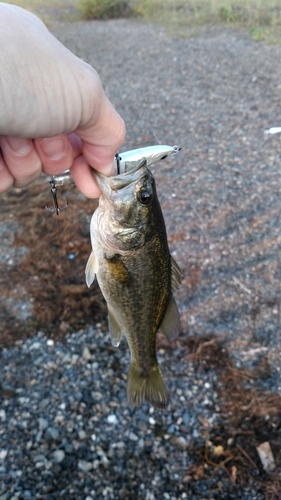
x: 116, y: 182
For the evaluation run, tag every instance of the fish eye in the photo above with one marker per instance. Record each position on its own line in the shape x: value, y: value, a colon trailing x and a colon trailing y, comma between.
x: 145, y: 197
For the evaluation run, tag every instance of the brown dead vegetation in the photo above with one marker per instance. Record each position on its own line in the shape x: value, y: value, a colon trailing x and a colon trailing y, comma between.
x: 249, y: 417
x: 52, y: 271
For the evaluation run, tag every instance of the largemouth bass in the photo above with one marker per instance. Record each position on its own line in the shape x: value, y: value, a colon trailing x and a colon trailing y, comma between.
x: 136, y: 274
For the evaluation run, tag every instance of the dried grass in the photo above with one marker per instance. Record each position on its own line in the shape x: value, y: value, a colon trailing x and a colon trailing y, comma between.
x: 248, y: 417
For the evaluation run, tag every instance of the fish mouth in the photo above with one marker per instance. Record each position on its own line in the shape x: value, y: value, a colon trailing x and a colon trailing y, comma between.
x: 135, y: 170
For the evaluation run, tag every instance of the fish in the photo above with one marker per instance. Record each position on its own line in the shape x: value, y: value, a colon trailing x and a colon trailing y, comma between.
x: 136, y: 274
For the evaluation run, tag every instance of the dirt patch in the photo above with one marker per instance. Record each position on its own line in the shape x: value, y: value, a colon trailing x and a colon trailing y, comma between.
x: 42, y: 266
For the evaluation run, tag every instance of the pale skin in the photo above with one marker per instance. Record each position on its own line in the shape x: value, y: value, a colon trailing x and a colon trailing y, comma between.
x: 54, y: 114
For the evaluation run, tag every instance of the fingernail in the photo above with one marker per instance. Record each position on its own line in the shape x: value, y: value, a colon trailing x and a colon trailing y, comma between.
x: 54, y: 147
x: 19, y: 145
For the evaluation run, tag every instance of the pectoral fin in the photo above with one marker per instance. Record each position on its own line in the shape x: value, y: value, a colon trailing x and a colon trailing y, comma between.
x: 170, y: 326
x: 114, y: 329
x: 90, y: 271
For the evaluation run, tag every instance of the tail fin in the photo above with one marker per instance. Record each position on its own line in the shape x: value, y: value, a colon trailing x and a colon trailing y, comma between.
x: 150, y: 388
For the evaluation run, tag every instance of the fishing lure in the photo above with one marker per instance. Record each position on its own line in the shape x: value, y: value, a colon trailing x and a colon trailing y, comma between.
x: 152, y: 154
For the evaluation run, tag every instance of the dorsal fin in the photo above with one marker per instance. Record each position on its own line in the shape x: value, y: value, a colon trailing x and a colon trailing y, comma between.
x: 176, y: 274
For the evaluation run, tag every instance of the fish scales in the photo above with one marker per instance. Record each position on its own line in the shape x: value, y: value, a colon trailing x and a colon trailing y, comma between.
x: 136, y: 275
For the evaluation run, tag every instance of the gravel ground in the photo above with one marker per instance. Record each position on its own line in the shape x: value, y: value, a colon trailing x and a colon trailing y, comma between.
x: 70, y: 434
x: 66, y: 430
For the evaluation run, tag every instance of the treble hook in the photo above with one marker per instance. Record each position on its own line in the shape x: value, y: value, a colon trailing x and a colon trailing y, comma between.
x: 57, y: 209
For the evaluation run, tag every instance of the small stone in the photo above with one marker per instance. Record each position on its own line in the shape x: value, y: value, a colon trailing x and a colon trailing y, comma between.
x: 52, y: 433
x: 40, y: 465
x: 180, y: 443
x: 2, y: 415
x: 104, y: 459
x: 58, y: 456
x: 39, y: 458
x: 82, y: 434
x: 43, y: 423
x: 112, y: 419
x: 141, y: 443
x: 3, y: 454
x: 38, y: 436
x: 195, y: 433
x: 35, y: 345
x: 266, y: 456
x: 44, y: 402
x: 86, y: 353
x: 106, y: 491
x: 85, y: 466
x: 185, y: 418
x: 133, y: 437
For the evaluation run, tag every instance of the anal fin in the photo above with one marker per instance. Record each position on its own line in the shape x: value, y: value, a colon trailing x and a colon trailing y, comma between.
x: 170, y: 326
x: 114, y: 329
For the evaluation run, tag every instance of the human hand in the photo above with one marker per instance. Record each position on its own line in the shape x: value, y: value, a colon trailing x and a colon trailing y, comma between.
x: 54, y: 112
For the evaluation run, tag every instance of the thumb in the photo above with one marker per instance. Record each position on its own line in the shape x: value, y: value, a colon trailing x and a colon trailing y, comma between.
x: 102, y: 139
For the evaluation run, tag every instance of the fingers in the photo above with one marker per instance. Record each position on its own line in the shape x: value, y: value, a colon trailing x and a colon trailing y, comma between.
x: 100, y: 141
x: 82, y: 175
x: 6, y: 178
x: 57, y: 153
x: 23, y: 159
